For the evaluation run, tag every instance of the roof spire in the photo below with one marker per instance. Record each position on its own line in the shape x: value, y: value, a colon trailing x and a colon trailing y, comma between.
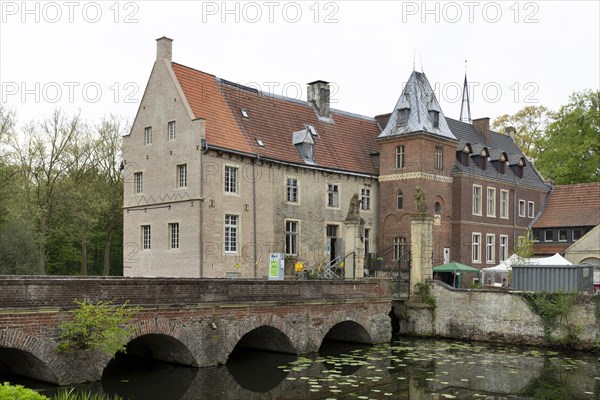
x: 465, y: 107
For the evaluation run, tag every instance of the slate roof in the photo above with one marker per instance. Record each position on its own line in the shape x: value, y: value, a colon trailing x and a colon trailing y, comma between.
x: 419, y: 98
x: 571, y: 205
x: 344, y: 145
x: 497, y: 143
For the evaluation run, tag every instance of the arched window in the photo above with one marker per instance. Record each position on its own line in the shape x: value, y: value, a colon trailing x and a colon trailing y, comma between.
x: 438, y: 208
x: 400, y: 200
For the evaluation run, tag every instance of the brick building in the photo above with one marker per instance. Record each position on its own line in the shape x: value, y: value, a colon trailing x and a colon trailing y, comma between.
x: 219, y: 175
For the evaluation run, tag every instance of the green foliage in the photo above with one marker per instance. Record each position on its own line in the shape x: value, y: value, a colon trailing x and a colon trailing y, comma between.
x: 73, y: 395
x: 424, y: 292
x: 99, y: 326
x: 529, y: 124
x: 524, y: 246
x: 553, y: 309
x: 18, y: 392
x: 570, y: 149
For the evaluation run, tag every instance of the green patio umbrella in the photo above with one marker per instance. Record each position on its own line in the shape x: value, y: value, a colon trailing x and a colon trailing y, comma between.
x: 455, y: 267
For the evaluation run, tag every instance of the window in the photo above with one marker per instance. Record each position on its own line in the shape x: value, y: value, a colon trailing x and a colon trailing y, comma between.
x: 548, y: 236
x: 437, y: 208
x: 148, y: 135
x: 490, y: 248
x: 465, y: 158
x: 171, y: 130
x: 174, y: 235
x: 403, y: 114
x: 182, y: 175
x: 562, y: 235
x: 333, y: 195
x: 502, y: 167
x: 291, y: 238
x: 503, y: 247
x: 504, y: 204
x: 291, y: 190
x: 400, y: 156
x: 367, y: 241
x: 231, y: 179
x: 439, y: 158
x: 138, y: 182
x: 365, y: 196
x: 536, y: 235
x: 145, y: 237
x: 476, y: 248
x: 521, y: 208
x: 231, y: 233
x: 434, y: 116
x: 399, y: 248
x: 399, y: 200
x: 491, y: 202
x: 476, y: 200
x: 530, y: 209
x: 576, y: 234
x: 482, y: 162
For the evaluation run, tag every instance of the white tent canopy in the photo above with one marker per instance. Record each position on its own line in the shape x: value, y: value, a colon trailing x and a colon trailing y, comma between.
x: 506, y: 266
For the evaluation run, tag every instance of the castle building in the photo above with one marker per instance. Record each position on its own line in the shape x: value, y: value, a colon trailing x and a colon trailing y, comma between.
x: 219, y: 175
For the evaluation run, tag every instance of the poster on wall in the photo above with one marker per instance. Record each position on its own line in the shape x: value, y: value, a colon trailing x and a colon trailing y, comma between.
x: 276, y: 266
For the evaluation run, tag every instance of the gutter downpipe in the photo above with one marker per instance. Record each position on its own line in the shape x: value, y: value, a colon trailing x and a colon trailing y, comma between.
x: 201, y: 250
x: 254, y: 214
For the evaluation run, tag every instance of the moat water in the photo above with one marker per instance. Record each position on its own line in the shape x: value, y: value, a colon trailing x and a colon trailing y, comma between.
x: 404, y: 369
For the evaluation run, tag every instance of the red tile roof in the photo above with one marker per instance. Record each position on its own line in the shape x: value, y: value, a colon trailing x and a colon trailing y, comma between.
x: 572, y: 205
x: 343, y: 145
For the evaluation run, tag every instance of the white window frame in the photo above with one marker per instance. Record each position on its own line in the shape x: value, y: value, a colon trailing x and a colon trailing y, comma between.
x: 182, y: 175
x: 171, y: 130
x: 522, y: 208
x: 292, y: 190
x: 138, y: 182
x: 231, y: 224
x: 231, y: 179
x: 365, y: 196
x: 491, y: 202
x: 174, y: 235
x: 477, y: 203
x: 490, y: 248
x: 530, y: 209
x: 438, y: 163
x: 333, y: 195
x: 400, y: 156
x: 504, y: 204
x: 399, y: 247
x: 476, y: 248
x: 503, y: 248
x: 148, y: 135
x: 146, y: 231
x: 566, y: 231
x: 291, y: 237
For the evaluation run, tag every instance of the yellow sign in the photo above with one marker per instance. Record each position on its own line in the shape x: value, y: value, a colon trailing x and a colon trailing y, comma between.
x: 299, y: 266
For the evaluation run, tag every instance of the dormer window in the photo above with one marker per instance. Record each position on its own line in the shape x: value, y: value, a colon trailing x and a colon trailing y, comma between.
x: 304, y: 143
x: 502, y: 163
x: 520, y: 168
x: 464, y: 154
x: 403, y: 114
x: 483, y: 157
x: 434, y: 116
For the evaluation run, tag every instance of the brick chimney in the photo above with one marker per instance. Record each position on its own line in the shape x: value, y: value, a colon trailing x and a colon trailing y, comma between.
x: 510, y: 131
x: 318, y: 97
x: 482, y: 126
x: 164, y: 48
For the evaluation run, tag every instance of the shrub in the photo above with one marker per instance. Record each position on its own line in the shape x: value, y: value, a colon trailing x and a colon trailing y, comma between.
x: 18, y: 392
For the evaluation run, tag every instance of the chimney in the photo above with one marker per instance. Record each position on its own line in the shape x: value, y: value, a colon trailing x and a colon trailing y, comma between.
x: 510, y: 131
x: 164, y: 48
x: 318, y: 97
x: 482, y: 126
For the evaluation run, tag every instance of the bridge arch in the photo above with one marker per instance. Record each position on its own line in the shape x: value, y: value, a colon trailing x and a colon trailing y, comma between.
x: 29, y: 356
x: 266, y: 332
x: 346, y: 327
x: 163, y: 340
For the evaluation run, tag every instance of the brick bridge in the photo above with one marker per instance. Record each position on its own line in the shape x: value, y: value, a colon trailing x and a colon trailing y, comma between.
x: 196, y: 322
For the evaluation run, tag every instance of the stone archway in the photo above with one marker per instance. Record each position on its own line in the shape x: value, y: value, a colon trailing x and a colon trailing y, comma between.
x: 350, y: 327
x: 29, y: 356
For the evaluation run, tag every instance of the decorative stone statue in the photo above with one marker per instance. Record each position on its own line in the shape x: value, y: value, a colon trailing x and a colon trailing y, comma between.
x: 354, y: 208
x: 420, y: 200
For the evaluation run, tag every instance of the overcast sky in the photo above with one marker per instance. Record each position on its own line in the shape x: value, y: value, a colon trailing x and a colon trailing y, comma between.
x: 96, y: 57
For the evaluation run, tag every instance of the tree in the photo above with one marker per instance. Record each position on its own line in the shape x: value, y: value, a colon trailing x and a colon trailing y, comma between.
x: 570, y: 149
x: 7, y: 124
x: 530, y: 124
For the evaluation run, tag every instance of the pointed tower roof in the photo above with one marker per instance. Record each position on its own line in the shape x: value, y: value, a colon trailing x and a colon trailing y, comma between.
x: 465, y: 107
x: 417, y: 110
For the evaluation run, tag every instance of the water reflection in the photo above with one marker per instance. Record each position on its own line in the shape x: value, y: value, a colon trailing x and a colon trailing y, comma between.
x: 407, y: 369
